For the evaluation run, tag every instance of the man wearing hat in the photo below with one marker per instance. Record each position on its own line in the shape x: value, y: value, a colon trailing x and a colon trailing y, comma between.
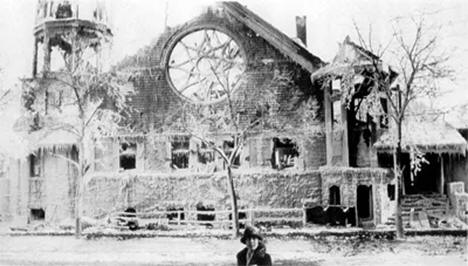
x: 255, y: 251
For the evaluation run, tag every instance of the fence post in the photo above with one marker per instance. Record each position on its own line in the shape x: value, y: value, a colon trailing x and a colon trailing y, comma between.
x: 251, y: 216
x: 178, y: 218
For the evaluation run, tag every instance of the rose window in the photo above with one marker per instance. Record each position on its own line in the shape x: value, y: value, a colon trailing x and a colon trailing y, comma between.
x: 205, y: 65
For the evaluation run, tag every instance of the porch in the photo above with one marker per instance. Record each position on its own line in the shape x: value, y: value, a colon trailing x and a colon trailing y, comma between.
x: 432, y: 153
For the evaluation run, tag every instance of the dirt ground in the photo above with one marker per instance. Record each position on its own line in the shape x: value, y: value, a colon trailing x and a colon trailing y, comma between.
x: 46, y: 250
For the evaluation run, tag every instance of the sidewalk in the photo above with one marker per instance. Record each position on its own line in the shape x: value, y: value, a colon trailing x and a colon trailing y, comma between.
x: 306, y: 233
x: 61, y: 250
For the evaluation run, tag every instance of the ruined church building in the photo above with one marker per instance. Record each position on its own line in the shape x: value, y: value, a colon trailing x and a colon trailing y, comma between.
x: 344, y: 164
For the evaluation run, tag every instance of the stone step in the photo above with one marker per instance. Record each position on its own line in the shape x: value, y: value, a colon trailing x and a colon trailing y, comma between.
x: 418, y: 199
x: 415, y: 200
x: 425, y: 195
x: 418, y: 202
x: 435, y: 208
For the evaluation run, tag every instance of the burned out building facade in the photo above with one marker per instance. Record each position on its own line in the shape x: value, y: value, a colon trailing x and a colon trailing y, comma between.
x: 319, y: 156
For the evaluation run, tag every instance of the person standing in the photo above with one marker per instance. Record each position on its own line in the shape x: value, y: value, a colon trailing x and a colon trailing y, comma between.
x: 255, y: 251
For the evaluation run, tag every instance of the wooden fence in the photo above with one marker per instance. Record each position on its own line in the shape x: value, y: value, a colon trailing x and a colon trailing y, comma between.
x: 218, y: 219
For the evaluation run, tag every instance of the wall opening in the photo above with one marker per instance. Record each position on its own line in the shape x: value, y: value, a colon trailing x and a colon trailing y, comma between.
x: 334, y: 195
x: 385, y: 160
x: 205, y: 216
x: 64, y: 10
x: 228, y: 148
x: 180, y: 151
x: 34, y: 165
x: 285, y: 153
x: 364, y: 202
x: 426, y: 180
x: 57, y: 60
x: 205, y: 154
x: 37, y: 214
x: 175, y: 214
x: 391, y: 191
x: 127, y: 156
x: 341, y: 216
x: 128, y: 218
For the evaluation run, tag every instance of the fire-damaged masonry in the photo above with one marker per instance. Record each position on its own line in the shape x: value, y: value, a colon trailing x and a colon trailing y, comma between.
x: 329, y: 157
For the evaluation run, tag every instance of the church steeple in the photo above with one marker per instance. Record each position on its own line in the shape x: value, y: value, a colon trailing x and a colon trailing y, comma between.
x: 65, y: 30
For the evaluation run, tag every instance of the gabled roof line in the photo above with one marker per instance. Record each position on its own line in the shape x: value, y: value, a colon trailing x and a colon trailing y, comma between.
x: 275, y: 37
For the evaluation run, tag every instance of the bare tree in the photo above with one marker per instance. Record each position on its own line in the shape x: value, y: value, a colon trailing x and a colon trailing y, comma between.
x: 419, y: 61
x: 81, y: 101
x: 244, y: 112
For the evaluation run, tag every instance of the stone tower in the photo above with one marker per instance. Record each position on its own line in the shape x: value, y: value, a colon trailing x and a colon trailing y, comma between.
x: 69, y: 36
x: 65, y: 30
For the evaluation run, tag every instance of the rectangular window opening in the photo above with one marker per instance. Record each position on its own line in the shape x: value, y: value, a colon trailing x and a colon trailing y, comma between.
x: 205, y: 154
x: 37, y: 214
x: 175, y: 213
x: 391, y: 191
x: 180, y: 149
x: 34, y: 165
x: 285, y: 153
x: 205, y: 216
x: 127, y: 156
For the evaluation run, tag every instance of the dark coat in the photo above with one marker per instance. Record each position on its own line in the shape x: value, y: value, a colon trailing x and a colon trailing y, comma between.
x: 260, y: 257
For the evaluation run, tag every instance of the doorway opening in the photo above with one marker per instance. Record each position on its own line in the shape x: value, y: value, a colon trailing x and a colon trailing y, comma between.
x: 364, y: 202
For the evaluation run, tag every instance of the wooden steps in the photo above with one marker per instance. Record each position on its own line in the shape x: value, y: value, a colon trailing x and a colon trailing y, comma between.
x: 417, y: 209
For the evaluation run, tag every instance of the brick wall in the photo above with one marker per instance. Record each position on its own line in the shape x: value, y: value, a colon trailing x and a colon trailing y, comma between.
x: 106, y: 193
x: 154, y: 153
x: 156, y: 101
x: 59, y: 187
x: 348, y: 180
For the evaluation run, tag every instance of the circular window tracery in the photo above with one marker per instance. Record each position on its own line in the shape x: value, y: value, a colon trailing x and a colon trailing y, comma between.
x: 205, y: 65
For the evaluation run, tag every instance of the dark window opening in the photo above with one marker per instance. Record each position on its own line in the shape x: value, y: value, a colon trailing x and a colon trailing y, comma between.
x: 334, y: 197
x: 205, y: 216
x: 332, y: 215
x: 37, y: 214
x: 180, y: 152
x: 64, y: 10
x: 385, y: 160
x: 205, y: 154
x: 175, y: 213
x: 364, y: 202
x: 228, y: 147
x: 285, y: 152
x: 34, y: 165
x: 128, y: 156
x: 391, y: 191
x: 128, y: 218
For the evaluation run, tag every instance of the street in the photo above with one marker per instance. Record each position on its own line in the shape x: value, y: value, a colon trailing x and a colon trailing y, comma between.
x: 44, y: 250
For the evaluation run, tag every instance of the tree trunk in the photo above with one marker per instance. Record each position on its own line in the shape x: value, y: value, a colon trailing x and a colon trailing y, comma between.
x: 399, y: 184
x: 235, y: 212
x: 79, y: 192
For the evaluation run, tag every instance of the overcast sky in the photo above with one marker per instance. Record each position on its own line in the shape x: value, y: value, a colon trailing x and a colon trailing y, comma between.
x: 136, y: 22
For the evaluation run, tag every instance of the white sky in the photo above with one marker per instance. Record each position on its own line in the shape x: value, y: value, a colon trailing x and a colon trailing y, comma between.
x: 136, y: 23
